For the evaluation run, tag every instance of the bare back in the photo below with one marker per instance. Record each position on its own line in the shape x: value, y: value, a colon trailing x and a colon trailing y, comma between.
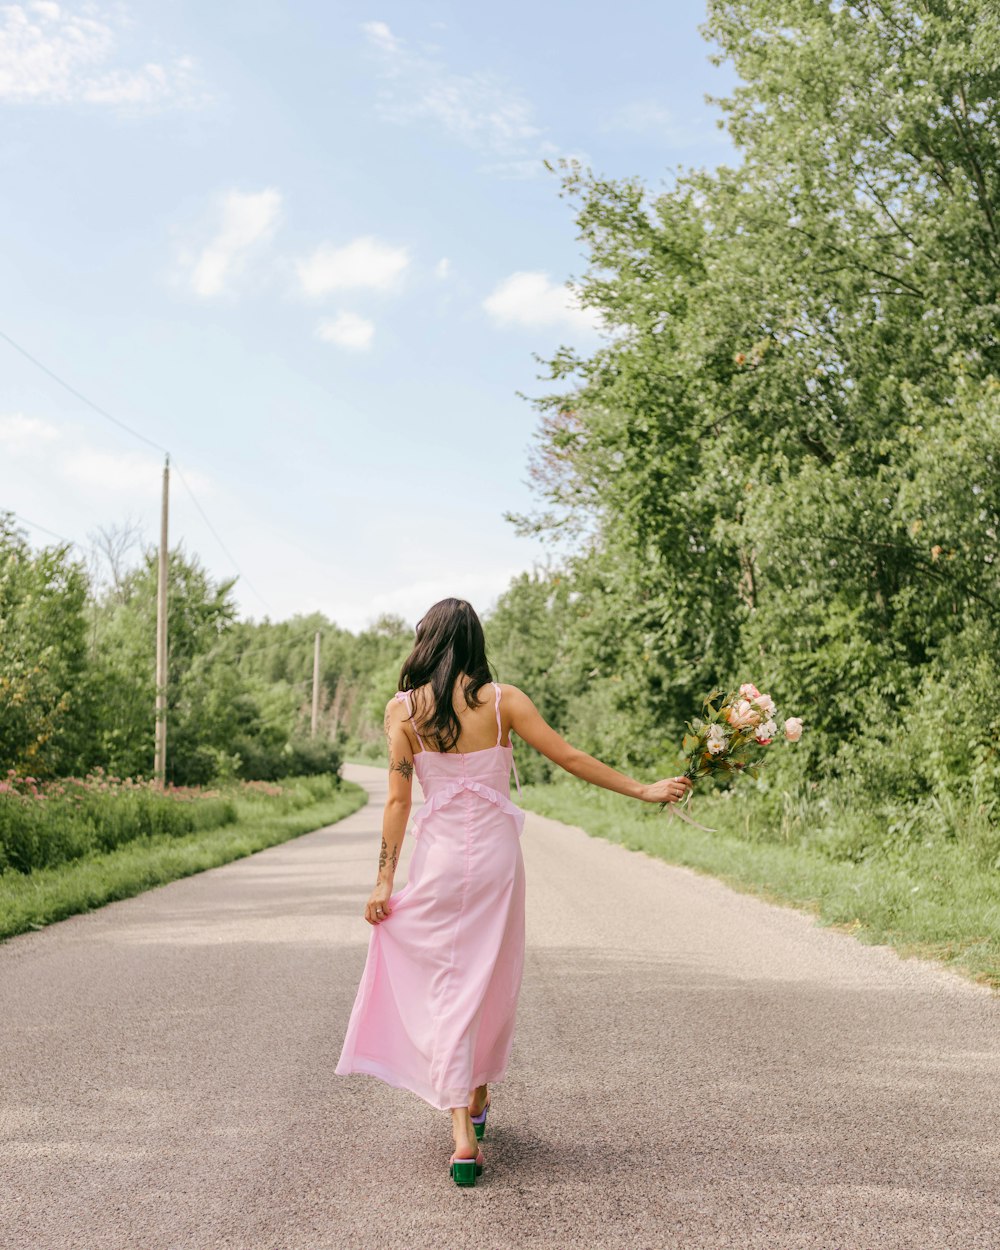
x: 478, y: 724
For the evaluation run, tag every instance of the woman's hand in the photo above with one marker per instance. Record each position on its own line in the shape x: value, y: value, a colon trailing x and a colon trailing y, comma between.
x: 669, y: 790
x: 377, y: 907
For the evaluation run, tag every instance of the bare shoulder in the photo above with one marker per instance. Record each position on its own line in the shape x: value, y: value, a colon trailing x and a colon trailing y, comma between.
x: 514, y: 697
x: 513, y: 692
x: 395, y: 713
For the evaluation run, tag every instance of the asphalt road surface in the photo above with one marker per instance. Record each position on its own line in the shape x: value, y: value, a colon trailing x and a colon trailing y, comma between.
x: 693, y: 1068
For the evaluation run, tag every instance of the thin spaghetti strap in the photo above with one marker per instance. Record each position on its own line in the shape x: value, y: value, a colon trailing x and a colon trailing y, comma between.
x: 497, y: 705
x: 517, y: 779
x: 405, y: 696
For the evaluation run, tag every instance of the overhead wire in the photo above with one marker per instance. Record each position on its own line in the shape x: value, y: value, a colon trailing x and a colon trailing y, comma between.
x: 103, y: 412
x: 45, y: 530
x: 79, y: 394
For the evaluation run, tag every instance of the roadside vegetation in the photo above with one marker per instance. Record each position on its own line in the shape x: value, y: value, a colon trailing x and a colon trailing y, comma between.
x: 935, y: 898
x: 96, y: 842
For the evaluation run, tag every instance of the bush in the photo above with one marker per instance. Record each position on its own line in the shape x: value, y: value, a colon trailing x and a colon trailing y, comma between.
x: 298, y: 758
x: 45, y: 824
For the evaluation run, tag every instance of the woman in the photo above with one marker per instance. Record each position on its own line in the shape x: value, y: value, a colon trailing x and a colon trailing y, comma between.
x: 435, y: 1008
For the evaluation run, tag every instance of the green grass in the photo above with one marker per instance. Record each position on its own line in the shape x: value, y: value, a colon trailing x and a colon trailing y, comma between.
x: 41, y: 897
x: 938, y: 899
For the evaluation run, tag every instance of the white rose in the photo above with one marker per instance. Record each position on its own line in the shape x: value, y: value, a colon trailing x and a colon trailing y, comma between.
x: 715, y: 740
x: 766, y: 732
x: 793, y: 728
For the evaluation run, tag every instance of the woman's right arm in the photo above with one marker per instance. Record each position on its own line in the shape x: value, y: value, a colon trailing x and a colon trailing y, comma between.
x: 527, y: 722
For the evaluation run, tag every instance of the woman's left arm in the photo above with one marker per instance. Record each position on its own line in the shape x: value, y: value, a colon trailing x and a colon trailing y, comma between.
x: 397, y: 810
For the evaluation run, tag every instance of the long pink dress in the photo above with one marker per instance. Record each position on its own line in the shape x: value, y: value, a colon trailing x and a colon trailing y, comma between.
x: 435, y: 1008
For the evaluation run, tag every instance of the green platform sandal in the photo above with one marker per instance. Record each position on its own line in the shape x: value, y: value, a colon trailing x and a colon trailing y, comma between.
x: 465, y: 1171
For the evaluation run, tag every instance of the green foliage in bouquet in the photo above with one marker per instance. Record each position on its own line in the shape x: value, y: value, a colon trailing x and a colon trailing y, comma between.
x: 735, y: 733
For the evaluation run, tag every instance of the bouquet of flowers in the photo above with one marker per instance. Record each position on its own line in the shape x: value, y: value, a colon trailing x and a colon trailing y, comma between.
x: 734, y: 734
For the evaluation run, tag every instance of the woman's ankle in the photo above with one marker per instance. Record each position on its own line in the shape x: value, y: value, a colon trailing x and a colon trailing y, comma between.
x: 463, y: 1133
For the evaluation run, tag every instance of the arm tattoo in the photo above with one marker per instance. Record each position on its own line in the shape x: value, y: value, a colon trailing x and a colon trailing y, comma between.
x: 385, y: 858
x: 404, y: 768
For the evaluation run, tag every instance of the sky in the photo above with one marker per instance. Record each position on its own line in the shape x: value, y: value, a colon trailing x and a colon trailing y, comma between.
x: 312, y: 250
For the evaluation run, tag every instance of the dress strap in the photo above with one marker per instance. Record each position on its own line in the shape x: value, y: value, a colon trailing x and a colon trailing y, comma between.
x: 404, y: 696
x: 513, y: 762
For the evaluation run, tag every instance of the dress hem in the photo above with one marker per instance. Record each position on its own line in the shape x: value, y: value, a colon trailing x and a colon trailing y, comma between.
x: 439, y: 1100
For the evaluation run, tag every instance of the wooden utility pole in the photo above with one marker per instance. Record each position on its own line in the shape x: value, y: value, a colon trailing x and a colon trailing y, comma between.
x: 160, y: 748
x: 315, y: 707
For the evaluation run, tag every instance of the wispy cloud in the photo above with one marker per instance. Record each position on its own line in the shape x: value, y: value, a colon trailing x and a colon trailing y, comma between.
x: 649, y: 118
x: 20, y: 433
x: 68, y: 455
x: 64, y: 54
x: 242, y: 222
x: 532, y: 299
x: 479, y: 109
x: 366, y: 263
x: 347, y: 330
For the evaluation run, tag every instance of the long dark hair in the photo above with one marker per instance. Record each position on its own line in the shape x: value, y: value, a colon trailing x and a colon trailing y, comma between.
x: 449, y: 642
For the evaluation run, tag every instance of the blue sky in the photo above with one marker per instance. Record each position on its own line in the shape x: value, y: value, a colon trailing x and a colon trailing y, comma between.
x: 311, y: 248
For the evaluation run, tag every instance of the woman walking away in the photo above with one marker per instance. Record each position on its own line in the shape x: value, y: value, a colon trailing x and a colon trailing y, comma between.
x: 435, y: 1009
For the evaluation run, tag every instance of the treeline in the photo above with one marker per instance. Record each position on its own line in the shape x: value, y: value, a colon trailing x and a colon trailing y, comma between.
x: 783, y: 463
x: 77, y: 643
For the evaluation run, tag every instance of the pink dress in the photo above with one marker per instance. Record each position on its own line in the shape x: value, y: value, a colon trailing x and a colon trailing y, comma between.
x: 435, y: 1009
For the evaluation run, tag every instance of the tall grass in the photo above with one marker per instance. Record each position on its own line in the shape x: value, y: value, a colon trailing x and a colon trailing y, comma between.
x: 256, y: 814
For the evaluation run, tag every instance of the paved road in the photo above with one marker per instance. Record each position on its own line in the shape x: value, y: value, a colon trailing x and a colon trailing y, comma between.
x: 694, y: 1068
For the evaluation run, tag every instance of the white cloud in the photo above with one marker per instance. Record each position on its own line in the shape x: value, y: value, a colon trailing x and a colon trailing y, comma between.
x: 245, y: 220
x: 481, y: 589
x: 650, y: 118
x: 20, y: 433
x: 532, y: 299
x: 61, y: 54
x: 347, y: 330
x: 442, y: 269
x: 127, y: 474
x: 479, y: 109
x: 381, y: 36
x: 365, y: 263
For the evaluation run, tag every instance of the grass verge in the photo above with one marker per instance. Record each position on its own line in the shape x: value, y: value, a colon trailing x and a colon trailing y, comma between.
x: 42, y: 897
x: 936, y: 901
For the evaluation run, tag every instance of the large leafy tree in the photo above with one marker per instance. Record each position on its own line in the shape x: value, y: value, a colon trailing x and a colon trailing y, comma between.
x: 43, y: 635
x: 782, y: 461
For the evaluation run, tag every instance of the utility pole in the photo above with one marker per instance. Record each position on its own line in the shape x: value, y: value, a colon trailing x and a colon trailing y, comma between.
x: 315, y: 707
x: 160, y: 748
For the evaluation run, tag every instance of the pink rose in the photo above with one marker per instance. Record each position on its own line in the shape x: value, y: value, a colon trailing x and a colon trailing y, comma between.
x: 793, y: 728
x: 766, y: 705
x: 743, y: 715
x: 749, y: 691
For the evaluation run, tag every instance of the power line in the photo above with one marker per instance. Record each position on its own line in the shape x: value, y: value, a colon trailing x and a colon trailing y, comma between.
x: 35, y: 526
x: 218, y: 539
x: 79, y: 395
x: 142, y: 437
